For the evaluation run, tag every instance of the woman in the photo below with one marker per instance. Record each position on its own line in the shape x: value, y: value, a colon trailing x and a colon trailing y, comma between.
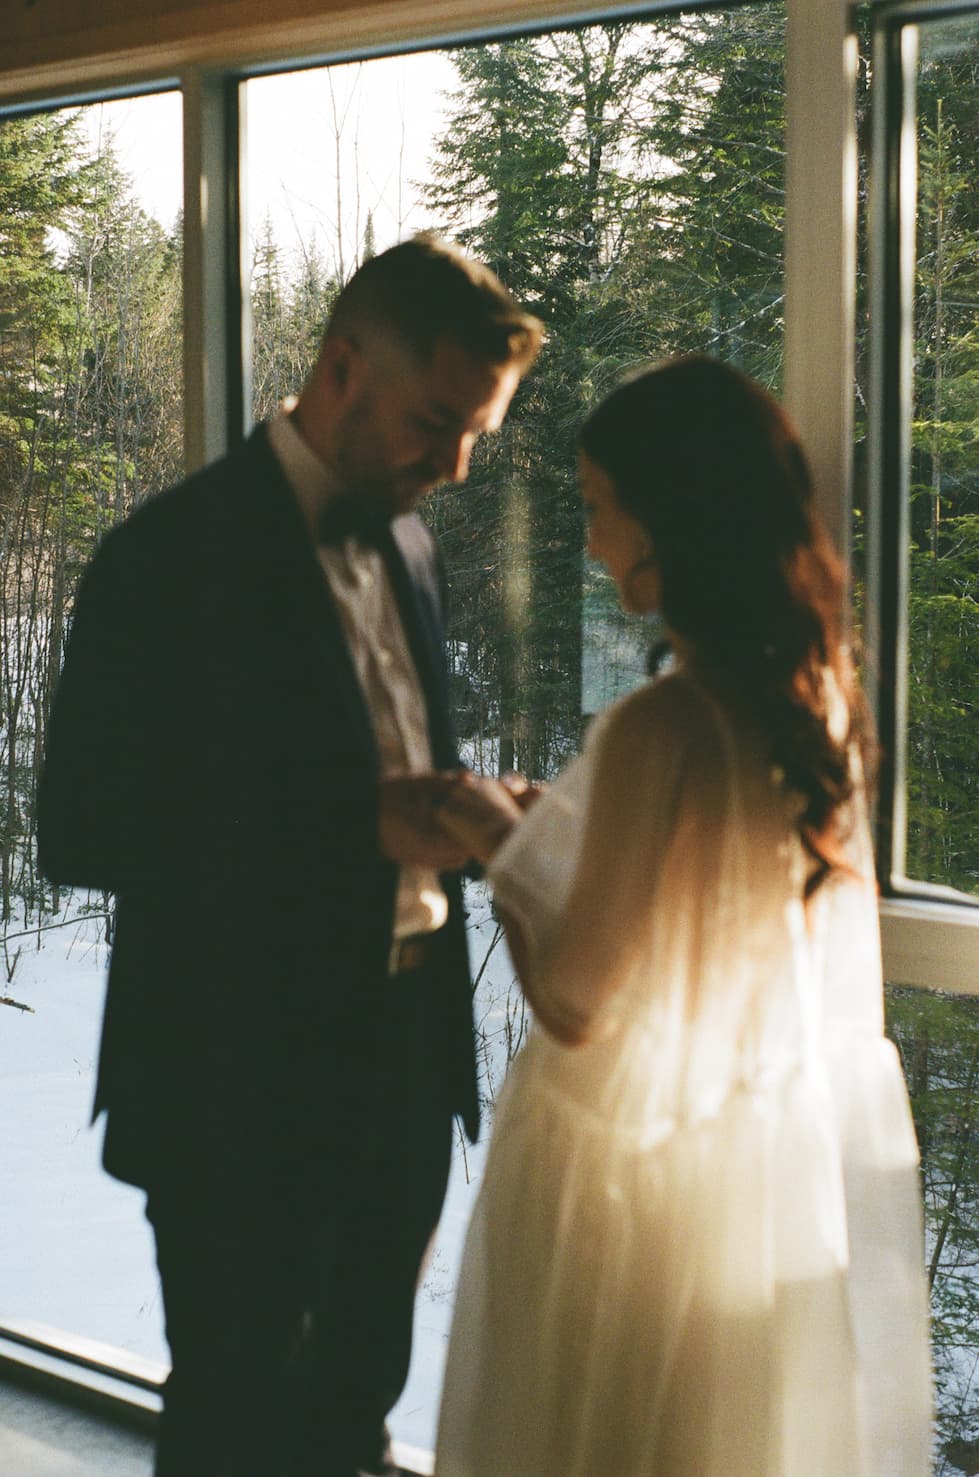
x: 697, y: 1249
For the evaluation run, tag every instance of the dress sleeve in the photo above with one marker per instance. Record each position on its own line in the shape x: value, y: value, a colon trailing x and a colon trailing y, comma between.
x: 578, y: 880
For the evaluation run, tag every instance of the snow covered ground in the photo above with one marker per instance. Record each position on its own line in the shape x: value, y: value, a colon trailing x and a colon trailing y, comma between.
x: 75, y: 1251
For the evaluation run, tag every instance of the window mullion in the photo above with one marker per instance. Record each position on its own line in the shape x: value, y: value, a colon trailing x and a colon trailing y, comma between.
x: 213, y: 322
x: 891, y: 349
x: 820, y: 245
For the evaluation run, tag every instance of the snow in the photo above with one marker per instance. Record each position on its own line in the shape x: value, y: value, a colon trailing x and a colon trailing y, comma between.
x: 75, y: 1250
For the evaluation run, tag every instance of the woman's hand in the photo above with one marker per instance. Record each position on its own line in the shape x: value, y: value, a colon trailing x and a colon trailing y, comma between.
x: 525, y: 792
x: 480, y: 813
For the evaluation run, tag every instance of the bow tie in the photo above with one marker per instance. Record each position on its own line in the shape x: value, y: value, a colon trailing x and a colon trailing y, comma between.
x: 353, y: 517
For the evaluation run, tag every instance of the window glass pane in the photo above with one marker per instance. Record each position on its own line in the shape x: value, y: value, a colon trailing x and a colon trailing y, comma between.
x: 943, y: 685
x: 90, y: 424
x: 937, y: 1035
x: 938, y: 1039
x: 627, y: 182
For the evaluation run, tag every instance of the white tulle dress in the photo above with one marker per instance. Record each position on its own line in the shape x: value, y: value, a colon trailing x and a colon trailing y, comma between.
x: 697, y: 1251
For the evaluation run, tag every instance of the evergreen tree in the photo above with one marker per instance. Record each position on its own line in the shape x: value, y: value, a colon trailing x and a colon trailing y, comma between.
x: 534, y: 176
x: 89, y: 417
x: 943, y: 746
x: 289, y: 313
x: 626, y: 181
x: 269, y: 370
x: 41, y: 181
x: 718, y: 230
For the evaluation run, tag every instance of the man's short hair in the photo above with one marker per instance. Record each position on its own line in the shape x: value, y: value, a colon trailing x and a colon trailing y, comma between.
x: 426, y: 289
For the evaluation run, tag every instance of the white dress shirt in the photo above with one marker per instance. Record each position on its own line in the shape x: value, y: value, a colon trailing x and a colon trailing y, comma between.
x: 361, y: 588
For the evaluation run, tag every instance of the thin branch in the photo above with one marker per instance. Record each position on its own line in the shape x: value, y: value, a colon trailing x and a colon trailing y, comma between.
x: 65, y: 923
x: 16, y: 1004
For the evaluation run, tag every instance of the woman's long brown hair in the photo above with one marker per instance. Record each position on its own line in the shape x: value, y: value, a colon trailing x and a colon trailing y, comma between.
x: 711, y: 466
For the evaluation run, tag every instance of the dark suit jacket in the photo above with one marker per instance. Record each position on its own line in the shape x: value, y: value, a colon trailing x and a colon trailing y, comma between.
x: 211, y: 761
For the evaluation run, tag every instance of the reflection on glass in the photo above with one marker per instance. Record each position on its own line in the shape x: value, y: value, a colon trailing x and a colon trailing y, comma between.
x: 943, y: 731
x: 938, y: 1038
x: 627, y: 182
x: 90, y: 424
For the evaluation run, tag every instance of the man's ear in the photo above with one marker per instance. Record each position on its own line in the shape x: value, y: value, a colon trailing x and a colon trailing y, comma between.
x: 342, y: 364
x: 328, y: 394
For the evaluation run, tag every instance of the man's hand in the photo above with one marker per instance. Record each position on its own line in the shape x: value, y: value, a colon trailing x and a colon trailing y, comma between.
x: 408, y: 828
x: 481, y: 813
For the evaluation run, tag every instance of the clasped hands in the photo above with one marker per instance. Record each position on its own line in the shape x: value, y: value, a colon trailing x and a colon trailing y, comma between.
x: 445, y: 819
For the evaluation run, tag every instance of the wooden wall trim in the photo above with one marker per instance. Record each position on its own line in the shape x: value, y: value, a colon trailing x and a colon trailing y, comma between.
x: 51, y: 47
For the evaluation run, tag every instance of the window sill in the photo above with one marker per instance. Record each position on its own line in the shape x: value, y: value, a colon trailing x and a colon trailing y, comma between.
x: 932, y: 945
x: 117, y: 1388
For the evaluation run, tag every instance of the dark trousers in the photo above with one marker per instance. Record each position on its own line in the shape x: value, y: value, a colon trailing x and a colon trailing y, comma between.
x: 289, y: 1304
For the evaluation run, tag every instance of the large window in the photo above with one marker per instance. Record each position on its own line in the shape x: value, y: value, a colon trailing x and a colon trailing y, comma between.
x: 628, y: 180
x: 925, y: 552
x: 925, y: 561
x: 583, y: 165
x: 90, y: 424
x: 942, y: 764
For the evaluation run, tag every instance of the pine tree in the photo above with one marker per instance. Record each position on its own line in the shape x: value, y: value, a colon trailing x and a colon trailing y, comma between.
x: 89, y: 416
x: 537, y: 175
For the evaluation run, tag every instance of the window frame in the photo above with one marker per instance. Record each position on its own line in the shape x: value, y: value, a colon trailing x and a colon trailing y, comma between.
x: 930, y: 933
x: 929, y: 940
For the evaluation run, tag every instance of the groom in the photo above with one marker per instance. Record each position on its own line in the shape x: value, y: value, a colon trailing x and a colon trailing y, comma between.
x: 249, y: 740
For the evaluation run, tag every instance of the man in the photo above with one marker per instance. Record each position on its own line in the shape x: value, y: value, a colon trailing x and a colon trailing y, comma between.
x: 245, y: 749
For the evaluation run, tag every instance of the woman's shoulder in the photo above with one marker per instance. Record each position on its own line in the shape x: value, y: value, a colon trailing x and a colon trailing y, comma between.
x: 670, y: 725
x: 676, y: 705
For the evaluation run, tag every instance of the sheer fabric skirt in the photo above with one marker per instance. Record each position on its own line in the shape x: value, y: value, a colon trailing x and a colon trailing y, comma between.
x: 734, y: 1297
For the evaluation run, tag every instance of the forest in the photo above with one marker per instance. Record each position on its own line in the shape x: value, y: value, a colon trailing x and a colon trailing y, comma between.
x: 627, y: 182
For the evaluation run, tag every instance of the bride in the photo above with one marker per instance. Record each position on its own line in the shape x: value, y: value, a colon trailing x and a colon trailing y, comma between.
x: 697, y: 1249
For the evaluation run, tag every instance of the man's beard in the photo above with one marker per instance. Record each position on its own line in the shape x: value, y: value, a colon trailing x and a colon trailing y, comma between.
x: 409, y: 487
x: 391, y: 490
